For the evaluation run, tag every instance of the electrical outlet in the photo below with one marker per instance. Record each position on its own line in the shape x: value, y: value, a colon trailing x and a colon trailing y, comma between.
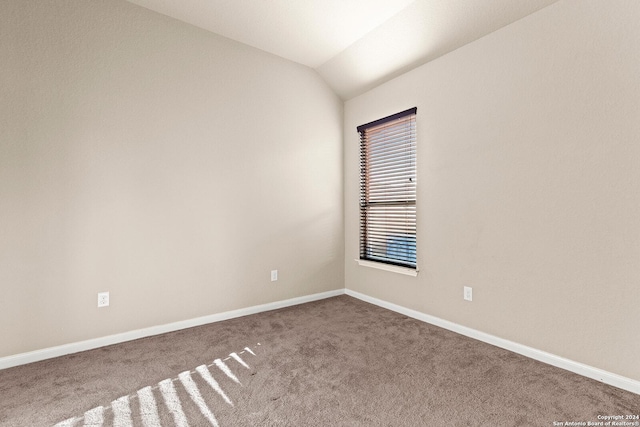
x: 274, y: 275
x: 468, y: 293
x: 103, y: 299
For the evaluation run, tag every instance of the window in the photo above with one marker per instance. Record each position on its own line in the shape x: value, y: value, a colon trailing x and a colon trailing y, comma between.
x: 388, y: 190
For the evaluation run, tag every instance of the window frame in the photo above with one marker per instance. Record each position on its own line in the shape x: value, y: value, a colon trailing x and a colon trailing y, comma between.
x: 403, y: 256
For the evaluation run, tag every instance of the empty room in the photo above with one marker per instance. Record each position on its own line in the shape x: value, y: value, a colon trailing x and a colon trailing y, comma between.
x: 319, y: 213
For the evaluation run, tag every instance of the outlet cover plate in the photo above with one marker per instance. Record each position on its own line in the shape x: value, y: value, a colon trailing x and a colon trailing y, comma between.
x: 103, y: 299
x: 468, y: 293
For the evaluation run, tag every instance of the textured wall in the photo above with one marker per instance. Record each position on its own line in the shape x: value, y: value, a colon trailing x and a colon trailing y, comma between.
x: 528, y: 181
x: 164, y: 164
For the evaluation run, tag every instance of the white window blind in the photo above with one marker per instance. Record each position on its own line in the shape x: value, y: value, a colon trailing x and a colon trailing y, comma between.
x: 388, y: 189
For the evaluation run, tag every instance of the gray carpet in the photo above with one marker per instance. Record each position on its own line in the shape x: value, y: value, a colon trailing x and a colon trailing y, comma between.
x: 335, y: 362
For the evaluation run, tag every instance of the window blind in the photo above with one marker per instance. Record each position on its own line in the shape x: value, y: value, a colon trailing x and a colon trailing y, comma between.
x: 388, y: 189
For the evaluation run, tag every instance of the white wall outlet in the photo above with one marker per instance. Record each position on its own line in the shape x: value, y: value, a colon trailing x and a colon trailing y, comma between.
x: 274, y: 275
x: 468, y: 293
x: 103, y: 299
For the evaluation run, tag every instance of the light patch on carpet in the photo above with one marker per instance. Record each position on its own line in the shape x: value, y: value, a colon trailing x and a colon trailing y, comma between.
x: 121, y: 412
x: 224, y: 368
x: 123, y: 416
x: 239, y: 360
x: 173, y: 402
x: 94, y: 417
x: 206, y: 375
x: 148, y: 407
x: 194, y: 393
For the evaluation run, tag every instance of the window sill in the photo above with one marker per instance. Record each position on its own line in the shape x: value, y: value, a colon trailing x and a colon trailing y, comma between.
x: 388, y: 267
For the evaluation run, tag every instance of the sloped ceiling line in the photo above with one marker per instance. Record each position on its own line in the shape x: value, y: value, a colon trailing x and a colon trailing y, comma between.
x: 353, y: 44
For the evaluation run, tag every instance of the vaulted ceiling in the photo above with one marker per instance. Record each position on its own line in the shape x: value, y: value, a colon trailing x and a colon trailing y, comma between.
x: 353, y: 44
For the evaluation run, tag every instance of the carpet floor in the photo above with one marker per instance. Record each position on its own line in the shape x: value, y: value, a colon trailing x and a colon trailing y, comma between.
x: 335, y: 362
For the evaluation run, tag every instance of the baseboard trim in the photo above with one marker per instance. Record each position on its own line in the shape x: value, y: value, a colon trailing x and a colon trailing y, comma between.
x: 539, y: 355
x: 62, y: 350
x: 542, y: 356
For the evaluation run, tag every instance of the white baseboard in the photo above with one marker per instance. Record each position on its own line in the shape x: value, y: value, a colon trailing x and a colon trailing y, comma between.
x: 542, y: 356
x: 61, y: 350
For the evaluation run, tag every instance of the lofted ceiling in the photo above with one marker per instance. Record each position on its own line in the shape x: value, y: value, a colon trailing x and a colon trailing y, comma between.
x: 353, y: 44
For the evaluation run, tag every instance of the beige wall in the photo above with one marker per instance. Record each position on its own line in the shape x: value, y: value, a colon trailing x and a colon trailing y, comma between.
x: 529, y: 184
x: 164, y: 164
x: 175, y: 168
